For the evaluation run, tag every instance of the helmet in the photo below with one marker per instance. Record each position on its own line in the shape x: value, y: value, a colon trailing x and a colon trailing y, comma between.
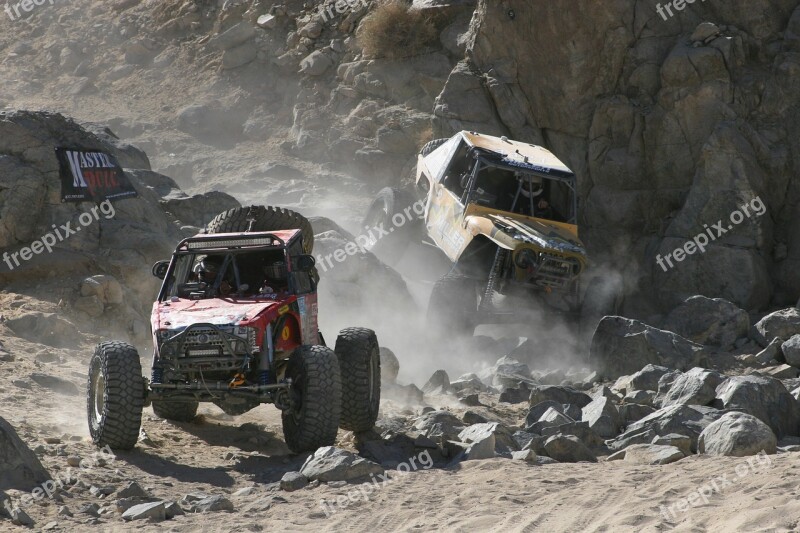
x: 532, y: 185
x: 275, y: 270
x: 209, y: 267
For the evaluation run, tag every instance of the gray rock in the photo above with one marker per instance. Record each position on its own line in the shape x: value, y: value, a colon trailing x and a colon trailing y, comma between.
x: 468, y: 381
x: 771, y: 353
x: 645, y: 379
x: 20, y: 468
x: 689, y: 420
x: 55, y: 384
x: 334, y: 464
x: 550, y: 418
x: 536, y: 411
x: 631, y: 412
x: 390, y: 366
x: 316, y: 63
x: 641, y: 397
x: 623, y: 346
x: 562, y: 395
x: 508, y: 372
x: 233, y: 36
x: 21, y: 518
x: 133, y: 490
x: 519, y: 394
x: 439, y: 424
x: 529, y: 456
x: 783, y: 324
x: 763, y: 397
x: 682, y: 442
x: 602, y: 416
x: 173, y: 509
x: 581, y: 430
x: 292, y: 481
x: 239, y: 56
x: 704, y: 32
x: 438, y: 383
x: 698, y: 386
x: 212, y: 504
x: 502, y: 440
x: 780, y: 372
x: 652, y: 454
x: 791, y: 350
x: 153, y: 511
x: 737, y: 434
x: 568, y: 449
x: 709, y: 321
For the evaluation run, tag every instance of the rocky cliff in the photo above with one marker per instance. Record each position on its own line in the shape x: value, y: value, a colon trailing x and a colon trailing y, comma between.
x: 671, y: 125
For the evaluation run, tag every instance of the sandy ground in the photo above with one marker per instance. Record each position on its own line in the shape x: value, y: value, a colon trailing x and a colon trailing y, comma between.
x: 218, y: 454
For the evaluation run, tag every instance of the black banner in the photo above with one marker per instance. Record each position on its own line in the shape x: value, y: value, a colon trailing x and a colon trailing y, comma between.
x: 91, y: 176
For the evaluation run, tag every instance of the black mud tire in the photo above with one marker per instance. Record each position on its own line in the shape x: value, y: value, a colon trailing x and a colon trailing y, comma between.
x: 115, y: 396
x: 313, y: 419
x: 391, y: 202
x: 265, y: 218
x: 453, y: 306
x: 360, y: 365
x: 175, y: 411
x: 431, y: 146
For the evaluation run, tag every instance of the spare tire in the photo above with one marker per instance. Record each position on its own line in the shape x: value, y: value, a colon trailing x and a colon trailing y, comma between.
x: 263, y: 218
x: 431, y: 146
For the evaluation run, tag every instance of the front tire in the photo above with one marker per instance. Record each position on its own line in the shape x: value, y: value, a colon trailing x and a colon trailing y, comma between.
x: 312, y: 420
x: 115, y: 396
x: 454, y: 304
x: 360, y: 365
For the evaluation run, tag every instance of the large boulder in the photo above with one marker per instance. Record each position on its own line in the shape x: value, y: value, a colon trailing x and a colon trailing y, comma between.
x: 623, y: 346
x: 698, y: 386
x: 490, y: 438
x: 783, y: 324
x: 689, y: 420
x: 334, y: 464
x: 568, y: 449
x: 20, y: 469
x: 711, y: 321
x: 763, y: 397
x: 557, y: 393
x: 645, y: 379
x: 737, y: 434
x: 602, y: 416
x: 791, y: 350
x: 436, y: 424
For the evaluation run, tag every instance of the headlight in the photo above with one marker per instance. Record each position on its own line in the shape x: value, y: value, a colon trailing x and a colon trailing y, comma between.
x: 525, y: 258
x: 163, y: 334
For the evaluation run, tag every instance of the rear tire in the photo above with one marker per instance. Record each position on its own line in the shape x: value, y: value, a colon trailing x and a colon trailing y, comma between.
x: 267, y: 218
x: 389, y: 203
x: 360, y: 365
x: 175, y: 411
x: 454, y: 304
x: 115, y: 396
x: 312, y: 420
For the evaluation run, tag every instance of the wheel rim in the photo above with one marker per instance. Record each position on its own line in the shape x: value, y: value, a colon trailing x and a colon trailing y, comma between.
x: 98, y: 394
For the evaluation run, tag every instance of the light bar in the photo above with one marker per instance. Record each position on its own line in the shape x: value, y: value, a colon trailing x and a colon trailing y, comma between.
x: 201, y: 353
x: 229, y: 243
